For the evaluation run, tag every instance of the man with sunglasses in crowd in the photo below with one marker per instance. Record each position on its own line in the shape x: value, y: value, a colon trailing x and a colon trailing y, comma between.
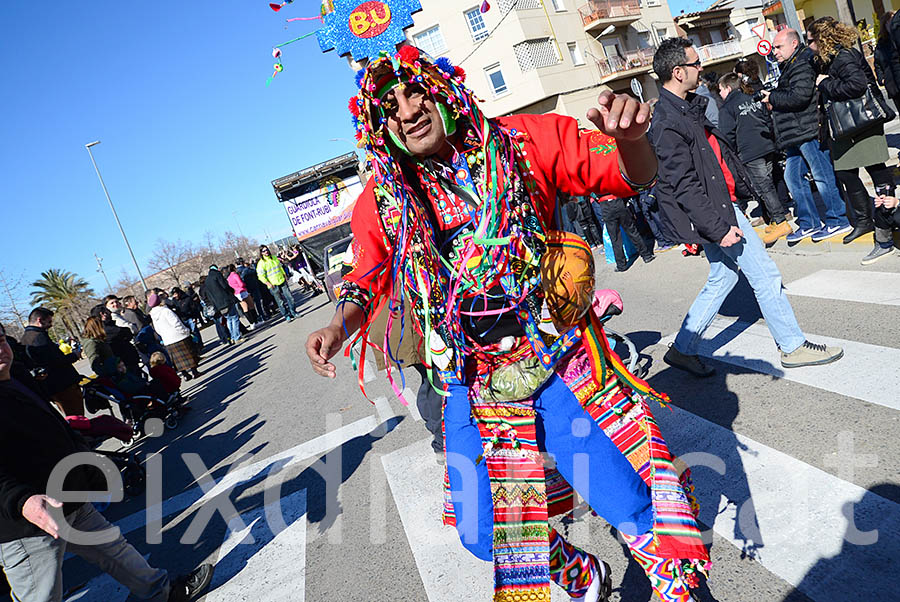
x: 700, y: 177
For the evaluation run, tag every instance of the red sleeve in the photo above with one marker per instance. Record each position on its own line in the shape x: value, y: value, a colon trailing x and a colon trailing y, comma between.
x: 564, y: 158
x: 368, y: 267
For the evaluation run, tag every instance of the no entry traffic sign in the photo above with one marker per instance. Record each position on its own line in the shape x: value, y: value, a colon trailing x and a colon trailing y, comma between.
x: 764, y: 47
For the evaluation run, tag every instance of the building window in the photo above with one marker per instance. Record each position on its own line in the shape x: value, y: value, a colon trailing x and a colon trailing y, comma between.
x: 575, y: 53
x: 662, y: 34
x: 495, y: 79
x: 431, y: 41
x: 534, y: 54
x: 477, y: 27
x: 653, y: 3
x: 558, y: 5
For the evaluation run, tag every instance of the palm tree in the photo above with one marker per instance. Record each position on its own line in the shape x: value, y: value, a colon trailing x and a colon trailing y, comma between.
x: 63, y: 292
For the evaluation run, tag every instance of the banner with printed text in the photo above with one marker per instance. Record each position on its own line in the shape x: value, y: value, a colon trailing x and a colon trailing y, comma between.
x: 323, y: 204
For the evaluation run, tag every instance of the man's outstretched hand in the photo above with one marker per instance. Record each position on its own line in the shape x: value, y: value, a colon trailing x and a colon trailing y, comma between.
x: 36, y: 512
x: 321, y: 346
x: 620, y: 116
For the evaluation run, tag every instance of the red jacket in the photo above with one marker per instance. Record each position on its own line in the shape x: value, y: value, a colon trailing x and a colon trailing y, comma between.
x: 562, y: 158
x: 167, y: 377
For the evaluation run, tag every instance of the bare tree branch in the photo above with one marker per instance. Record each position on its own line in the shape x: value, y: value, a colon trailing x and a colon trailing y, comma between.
x: 170, y: 257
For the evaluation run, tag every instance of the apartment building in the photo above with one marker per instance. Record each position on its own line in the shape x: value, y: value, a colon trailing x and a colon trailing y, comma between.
x: 722, y: 34
x: 529, y: 56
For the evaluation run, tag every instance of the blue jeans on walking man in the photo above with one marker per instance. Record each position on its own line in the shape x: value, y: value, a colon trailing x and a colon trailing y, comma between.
x: 284, y: 299
x: 809, y: 156
x: 750, y: 256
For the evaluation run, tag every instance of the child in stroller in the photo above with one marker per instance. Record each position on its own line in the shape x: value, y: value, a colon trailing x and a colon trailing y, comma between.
x: 163, y: 375
x: 137, y: 400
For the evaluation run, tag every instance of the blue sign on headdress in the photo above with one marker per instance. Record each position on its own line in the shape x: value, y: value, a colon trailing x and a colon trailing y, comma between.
x: 364, y: 28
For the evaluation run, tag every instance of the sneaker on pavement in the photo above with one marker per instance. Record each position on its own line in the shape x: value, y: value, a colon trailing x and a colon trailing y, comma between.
x: 875, y: 254
x: 665, y: 248
x: 649, y: 258
x: 811, y: 354
x: 801, y: 233
x: 192, y: 586
x: 776, y: 232
x: 688, y: 363
x: 827, y: 232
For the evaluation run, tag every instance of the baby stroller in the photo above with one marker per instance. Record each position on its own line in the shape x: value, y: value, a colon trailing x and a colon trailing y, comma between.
x: 608, y: 303
x: 102, y: 428
x: 100, y: 393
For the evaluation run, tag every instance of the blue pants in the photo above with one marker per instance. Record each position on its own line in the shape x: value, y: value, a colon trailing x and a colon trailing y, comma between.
x: 234, y: 322
x: 584, y: 455
x: 818, y: 160
x: 284, y: 299
x: 750, y: 256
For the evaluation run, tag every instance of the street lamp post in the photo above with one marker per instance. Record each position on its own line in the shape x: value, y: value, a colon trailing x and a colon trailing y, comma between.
x: 115, y: 215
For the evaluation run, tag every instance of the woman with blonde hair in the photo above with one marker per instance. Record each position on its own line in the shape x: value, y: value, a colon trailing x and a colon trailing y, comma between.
x: 845, y: 75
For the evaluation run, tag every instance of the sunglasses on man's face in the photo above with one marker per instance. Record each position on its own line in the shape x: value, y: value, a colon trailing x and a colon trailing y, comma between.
x: 414, y: 93
x: 696, y: 64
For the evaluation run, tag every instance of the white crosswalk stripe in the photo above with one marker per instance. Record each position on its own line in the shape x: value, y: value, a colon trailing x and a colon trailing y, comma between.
x: 882, y: 288
x: 803, y: 513
x: 796, y: 519
x: 751, y: 346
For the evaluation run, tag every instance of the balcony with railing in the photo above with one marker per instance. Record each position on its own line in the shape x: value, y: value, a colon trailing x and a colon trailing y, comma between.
x: 599, y: 14
x: 719, y: 52
x: 633, y: 63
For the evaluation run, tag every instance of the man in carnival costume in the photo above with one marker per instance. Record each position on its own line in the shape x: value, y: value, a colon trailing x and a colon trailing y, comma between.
x: 457, y: 225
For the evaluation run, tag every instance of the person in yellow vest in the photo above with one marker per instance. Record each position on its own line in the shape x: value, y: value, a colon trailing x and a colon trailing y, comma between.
x: 270, y: 272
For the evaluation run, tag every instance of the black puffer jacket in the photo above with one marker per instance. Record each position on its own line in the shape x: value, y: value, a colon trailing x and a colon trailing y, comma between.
x: 794, y: 102
x: 887, y: 65
x: 848, y: 77
x: 694, y: 203
x: 747, y: 124
x: 217, y: 292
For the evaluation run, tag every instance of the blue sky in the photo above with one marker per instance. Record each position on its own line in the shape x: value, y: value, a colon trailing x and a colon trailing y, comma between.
x: 688, y: 6
x: 175, y: 90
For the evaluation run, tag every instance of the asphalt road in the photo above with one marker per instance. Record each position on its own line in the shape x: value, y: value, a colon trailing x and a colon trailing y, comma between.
x: 359, y: 491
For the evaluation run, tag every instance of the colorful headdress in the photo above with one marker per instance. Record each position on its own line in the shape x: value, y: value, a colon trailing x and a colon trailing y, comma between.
x: 435, y: 285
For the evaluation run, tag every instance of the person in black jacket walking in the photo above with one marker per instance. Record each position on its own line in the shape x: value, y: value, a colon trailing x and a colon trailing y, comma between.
x: 747, y: 125
x: 844, y: 75
x: 36, y: 530
x: 218, y: 293
x: 795, y: 110
x: 60, y: 380
x: 699, y: 175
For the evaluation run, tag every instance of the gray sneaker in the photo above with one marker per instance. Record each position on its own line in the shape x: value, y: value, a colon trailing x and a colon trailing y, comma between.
x: 811, y: 354
x: 875, y: 254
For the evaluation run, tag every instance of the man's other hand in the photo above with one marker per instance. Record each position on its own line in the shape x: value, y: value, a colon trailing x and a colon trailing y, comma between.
x: 35, y: 512
x: 620, y: 116
x: 321, y: 346
x: 732, y: 238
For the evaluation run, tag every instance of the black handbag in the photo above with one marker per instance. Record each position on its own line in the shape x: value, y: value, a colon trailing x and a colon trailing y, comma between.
x: 847, y: 118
